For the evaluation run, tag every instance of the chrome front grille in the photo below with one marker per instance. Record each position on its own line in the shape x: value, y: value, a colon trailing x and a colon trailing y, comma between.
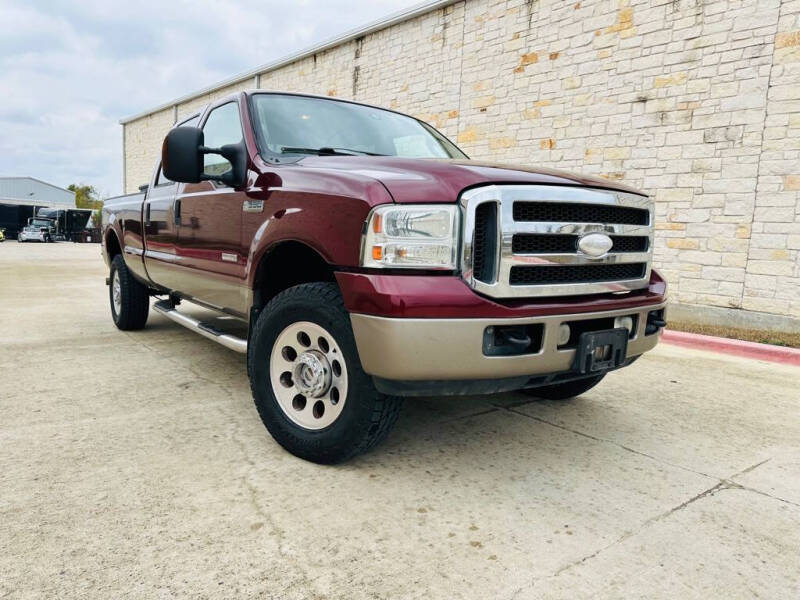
x: 522, y: 240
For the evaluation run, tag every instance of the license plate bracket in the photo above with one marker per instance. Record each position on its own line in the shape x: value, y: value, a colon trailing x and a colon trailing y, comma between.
x: 601, y: 350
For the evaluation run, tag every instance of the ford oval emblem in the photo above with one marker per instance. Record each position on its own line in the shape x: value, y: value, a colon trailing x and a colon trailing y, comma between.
x: 595, y: 244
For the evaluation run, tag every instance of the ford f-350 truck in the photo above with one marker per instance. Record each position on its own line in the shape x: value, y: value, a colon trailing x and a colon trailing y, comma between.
x: 370, y: 259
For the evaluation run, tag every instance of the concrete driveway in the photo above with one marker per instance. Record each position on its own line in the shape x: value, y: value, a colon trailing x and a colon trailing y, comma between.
x: 135, y: 466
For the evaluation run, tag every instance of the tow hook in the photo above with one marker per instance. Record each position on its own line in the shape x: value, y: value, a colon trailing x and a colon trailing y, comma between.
x: 512, y: 340
x: 655, y: 321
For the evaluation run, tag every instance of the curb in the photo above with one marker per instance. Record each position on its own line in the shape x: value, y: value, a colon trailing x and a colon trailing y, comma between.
x: 778, y: 354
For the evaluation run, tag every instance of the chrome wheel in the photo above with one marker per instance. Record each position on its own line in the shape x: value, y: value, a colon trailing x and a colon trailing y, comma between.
x: 116, y: 293
x: 308, y: 375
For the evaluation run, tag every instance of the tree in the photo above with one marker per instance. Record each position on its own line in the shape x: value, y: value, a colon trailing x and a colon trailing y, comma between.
x: 85, y: 196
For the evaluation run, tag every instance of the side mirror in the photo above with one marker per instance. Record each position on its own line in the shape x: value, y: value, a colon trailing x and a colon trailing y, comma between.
x: 181, y: 158
x: 236, y: 154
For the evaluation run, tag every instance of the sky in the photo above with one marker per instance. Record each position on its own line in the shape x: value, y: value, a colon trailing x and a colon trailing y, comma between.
x: 69, y: 71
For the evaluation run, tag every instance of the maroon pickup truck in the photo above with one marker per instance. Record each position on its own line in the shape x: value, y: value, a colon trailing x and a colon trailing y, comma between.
x: 367, y: 258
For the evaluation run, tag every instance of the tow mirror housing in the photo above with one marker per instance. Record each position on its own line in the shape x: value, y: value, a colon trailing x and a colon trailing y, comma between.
x: 181, y: 155
x: 236, y: 154
x: 182, y: 158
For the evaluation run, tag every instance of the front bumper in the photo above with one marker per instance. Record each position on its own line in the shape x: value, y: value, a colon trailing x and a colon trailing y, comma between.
x: 452, y: 349
x: 418, y: 334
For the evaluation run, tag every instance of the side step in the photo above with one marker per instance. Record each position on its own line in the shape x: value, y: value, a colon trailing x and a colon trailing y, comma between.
x: 204, y: 329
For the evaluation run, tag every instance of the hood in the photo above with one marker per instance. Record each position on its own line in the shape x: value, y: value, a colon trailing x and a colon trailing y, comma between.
x: 432, y: 180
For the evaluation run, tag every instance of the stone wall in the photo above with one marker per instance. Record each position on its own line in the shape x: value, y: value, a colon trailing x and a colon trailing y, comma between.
x: 695, y: 101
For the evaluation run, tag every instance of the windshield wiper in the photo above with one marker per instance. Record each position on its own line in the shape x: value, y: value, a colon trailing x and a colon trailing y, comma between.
x: 327, y: 151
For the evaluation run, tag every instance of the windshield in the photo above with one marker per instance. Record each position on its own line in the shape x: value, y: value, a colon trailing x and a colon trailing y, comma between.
x: 298, y: 125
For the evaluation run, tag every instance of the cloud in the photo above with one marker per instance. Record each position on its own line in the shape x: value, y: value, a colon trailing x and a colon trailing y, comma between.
x: 70, y: 70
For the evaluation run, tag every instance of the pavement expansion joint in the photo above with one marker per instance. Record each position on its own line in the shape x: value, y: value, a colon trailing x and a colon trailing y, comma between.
x: 607, y: 441
x: 724, y: 484
x: 480, y: 413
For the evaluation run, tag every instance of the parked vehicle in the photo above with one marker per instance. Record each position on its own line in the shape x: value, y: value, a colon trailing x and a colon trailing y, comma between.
x: 61, y: 224
x: 47, y: 226
x: 65, y: 223
x: 34, y: 233
x: 371, y: 260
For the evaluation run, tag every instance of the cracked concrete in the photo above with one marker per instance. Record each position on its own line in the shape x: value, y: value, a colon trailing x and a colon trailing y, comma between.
x: 135, y: 466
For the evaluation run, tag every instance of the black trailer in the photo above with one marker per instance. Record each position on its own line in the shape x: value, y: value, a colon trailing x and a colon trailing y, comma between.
x: 64, y: 223
x: 67, y: 223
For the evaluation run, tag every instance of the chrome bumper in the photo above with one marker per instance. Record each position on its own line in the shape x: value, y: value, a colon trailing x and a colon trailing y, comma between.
x: 452, y: 349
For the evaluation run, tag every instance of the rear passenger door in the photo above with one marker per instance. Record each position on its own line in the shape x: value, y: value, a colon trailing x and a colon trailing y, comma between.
x: 160, y: 233
x: 210, y: 221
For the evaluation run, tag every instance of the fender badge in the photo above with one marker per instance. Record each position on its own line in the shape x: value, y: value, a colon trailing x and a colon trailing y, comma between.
x: 254, y: 206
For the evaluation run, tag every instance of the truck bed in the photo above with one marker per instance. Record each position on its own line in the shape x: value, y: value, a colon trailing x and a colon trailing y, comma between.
x: 124, y: 202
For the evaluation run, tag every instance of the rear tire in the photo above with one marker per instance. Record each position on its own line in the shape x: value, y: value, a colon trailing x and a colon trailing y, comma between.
x: 301, y: 354
x: 568, y: 389
x: 130, y: 300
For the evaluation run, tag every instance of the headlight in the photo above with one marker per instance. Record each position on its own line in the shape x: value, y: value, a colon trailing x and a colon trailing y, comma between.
x: 417, y: 236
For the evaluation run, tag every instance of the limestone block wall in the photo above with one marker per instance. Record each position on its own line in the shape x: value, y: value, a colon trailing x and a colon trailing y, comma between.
x: 697, y: 102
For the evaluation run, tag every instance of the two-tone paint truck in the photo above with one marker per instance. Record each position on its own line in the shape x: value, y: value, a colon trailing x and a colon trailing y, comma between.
x: 368, y: 258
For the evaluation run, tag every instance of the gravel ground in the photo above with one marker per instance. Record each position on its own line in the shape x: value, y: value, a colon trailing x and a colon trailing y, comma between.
x: 134, y: 465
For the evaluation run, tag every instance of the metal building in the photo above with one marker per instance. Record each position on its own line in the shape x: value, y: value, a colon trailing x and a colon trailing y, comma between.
x: 22, y: 197
x: 29, y: 191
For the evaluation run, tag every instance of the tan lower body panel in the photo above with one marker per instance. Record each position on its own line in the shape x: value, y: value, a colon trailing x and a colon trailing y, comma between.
x: 441, y: 349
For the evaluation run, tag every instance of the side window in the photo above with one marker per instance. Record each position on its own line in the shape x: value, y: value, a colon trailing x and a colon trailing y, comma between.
x: 222, y: 127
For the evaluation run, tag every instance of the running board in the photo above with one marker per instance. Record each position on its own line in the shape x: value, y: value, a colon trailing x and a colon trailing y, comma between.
x: 204, y: 329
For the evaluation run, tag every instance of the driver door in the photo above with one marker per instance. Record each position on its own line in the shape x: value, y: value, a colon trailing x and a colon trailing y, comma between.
x: 209, y: 218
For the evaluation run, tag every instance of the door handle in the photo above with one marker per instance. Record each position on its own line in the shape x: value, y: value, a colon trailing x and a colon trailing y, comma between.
x: 147, y: 214
x: 178, y: 211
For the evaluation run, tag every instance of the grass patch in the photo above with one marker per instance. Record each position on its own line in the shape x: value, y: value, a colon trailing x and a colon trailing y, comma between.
x: 776, y: 338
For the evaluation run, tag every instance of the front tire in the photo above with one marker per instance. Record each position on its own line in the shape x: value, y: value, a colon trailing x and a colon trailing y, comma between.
x: 130, y: 300
x: 307, y: 381
x: 568, y: 389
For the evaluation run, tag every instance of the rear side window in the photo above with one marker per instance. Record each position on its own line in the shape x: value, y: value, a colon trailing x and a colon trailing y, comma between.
x: 222, y: 127
x: 162, y: 180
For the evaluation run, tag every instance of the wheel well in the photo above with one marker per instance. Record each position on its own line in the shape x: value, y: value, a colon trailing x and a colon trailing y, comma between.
x: 286, y: 265
x: 112, y: 246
